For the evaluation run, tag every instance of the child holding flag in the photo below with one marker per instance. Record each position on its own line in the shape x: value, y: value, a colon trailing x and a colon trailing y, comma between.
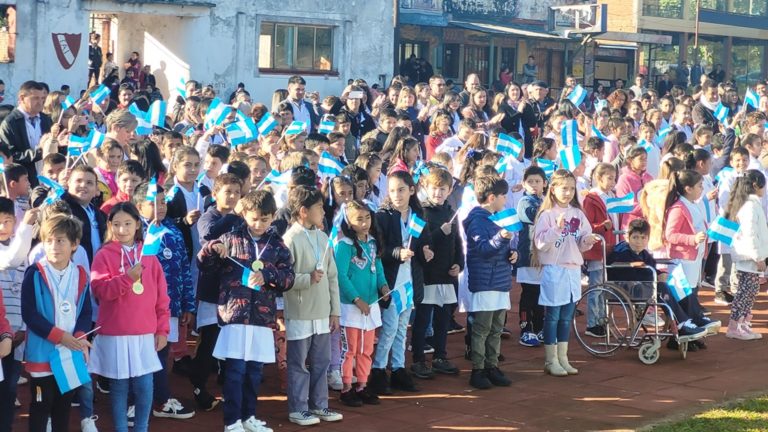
x: 490, y: 256
x: 312, y: 310
x: 254, y: 265
x: 129, y: 285
x: 56, y: 307
x: 561, y: 234
x: 750, y: 249
x: 404, y: 252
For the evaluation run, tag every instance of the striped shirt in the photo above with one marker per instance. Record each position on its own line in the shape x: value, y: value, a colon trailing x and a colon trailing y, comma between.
x: 13, y: 264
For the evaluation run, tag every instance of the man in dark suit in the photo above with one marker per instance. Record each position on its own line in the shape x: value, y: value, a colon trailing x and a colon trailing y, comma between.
x: 665, y: 85
x: 704, y: 111
x: 303, y: 110
x: 22, y: 129
x: 535, y: 114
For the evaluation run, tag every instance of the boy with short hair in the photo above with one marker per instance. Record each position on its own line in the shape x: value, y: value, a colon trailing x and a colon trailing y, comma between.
x: 337, y: 147
x: 387, y: 122
x: 452, y: 144
x: 17, y: 188
x: 312, y: 310
x: 440, y: 276
x: 53, y: 166
x: 81, y: 188
x: 129, y: 175
x: 215, y: 158
x: 171, y: 141
x: 489, y: 254
x: 344, y: 127
x: 13, y: 263
x: 56, y: 306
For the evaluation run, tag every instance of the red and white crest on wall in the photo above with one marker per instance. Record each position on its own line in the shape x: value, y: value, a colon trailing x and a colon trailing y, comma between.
x: 67, y: 47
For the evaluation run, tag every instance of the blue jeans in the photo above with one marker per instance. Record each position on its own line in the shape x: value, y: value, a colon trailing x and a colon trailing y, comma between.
x: 11, y: 370
x: 392, y: 338
x: 142, y: 399
x: 84, y: 396
x: 557, y: 323
x: 241, y: 388
x: 595, y: 310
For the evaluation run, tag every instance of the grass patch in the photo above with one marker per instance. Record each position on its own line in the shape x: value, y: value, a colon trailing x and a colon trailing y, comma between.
x: 749, y: 415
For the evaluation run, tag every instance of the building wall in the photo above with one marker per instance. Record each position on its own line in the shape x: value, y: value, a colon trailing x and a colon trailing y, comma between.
x: 216, y: 45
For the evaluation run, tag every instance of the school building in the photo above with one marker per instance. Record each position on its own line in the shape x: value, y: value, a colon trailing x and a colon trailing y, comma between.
x: 219, y: 42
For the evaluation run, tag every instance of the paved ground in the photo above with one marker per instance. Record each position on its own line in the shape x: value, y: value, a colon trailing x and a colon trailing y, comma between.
x: 609, y: 394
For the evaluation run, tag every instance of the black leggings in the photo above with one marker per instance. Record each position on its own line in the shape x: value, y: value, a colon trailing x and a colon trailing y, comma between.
x: 47, y: 401
x: 531, y: 314
x: 204, y: 362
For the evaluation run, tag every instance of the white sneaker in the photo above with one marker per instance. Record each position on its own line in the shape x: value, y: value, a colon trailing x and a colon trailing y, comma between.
x: 48, y: 427
x: 327, y: 415
x: 236, y: 427
x: 89, y: 424
x: 303, y: 418
x: 653, y: 319
x: 334, y: 380
x: 255, y: 425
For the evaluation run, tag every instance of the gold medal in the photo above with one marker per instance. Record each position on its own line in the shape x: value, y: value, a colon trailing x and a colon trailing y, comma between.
x: 257, y: 265
x: 138, y: 288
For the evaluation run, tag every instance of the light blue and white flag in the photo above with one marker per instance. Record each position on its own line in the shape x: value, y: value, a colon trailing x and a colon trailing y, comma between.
x: 77, y: 146
x: 96, y: 139
x: 623, y: 204
x: 402, y: 297
x: 57, y: 189
x: 577, y: 95
x: 724, y: 174
x: 647, y: 146
x: 723, y: 230
x: 570, y: 157
x: 216, y: 114
x: 266, y: 124
x: 67, y: 103
x: 296, y: 127
x: 661, y: 135
x: 144, y: 127
x: 152, y: 189
x: 242, y: 131
x: 507, y: 219
x: 171, y: 193
x: 156, y: 114
x: 547, y: 165
x: 678, y: 284
x: 100, y: 94
x: 721, y: 112
x: 68, y: 368
x: 181, y: 87
x: 569, y: 133
x: 245, y: 280
x: 2, y: 165
x: 502, y: 165
x: 153, y: 240
x: 596, y: 132
x: 509, y: 145
x: 415, y: 226
x: 326, y: 127
x: 275, y: 177
x: 329, y: 167
x: 752, y: 99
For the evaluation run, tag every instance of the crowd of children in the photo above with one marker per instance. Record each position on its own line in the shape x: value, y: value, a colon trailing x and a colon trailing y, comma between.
x: 312, y: 233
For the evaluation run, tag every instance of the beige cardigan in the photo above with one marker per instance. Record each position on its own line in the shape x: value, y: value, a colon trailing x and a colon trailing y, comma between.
x: 307, y: 301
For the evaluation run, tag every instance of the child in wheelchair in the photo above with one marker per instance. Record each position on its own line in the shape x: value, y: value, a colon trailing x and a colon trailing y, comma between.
x: 635, y: 251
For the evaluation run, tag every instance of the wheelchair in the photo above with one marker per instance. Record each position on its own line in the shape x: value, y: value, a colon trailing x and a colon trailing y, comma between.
x: 623, y: 305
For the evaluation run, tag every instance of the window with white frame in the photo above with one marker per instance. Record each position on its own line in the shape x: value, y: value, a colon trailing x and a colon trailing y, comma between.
x: 295, y: 47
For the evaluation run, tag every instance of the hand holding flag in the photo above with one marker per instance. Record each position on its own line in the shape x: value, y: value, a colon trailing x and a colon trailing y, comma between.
x: 570, y: 157
x: 721, y: 113
x: 577, y: 95
x: 415, y: 227
x: 508, y: 145
x: 723, y: 230
x: 752, y: 99
x: 507, y: 219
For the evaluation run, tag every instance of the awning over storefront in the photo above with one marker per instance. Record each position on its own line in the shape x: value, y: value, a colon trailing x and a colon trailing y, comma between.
x: 499, y: 29
x: 629, y: 46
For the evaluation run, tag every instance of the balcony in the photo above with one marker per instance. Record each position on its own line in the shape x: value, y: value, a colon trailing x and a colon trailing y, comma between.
x: 663, y: 8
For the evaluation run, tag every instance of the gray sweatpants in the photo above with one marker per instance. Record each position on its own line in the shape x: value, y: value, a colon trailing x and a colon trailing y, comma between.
x: 308, y: 388
x: 725, y: 280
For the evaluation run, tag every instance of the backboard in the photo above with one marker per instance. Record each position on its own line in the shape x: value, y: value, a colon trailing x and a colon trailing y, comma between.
x: 583, y: 19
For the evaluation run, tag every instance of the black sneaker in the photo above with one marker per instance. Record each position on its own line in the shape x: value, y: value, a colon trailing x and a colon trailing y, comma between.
x: 597, y: 331
x: 479, y: 379
x: 378, y: 382
x: 497, y: 377
x: 102, y: 384
x: 401, y: 380
x: 350, y: 398
x: 688, y: 331
x: 444, y: 366
x: 183, y: 366
x: 367, y: 397
x: 723, y: 298
x: 205, y: 401
x: 422, y: 370
x: 455, y: 327
x: 673, y: 345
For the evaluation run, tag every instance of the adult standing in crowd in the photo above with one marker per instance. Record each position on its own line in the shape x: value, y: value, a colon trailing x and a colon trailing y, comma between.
x: 22, y: 129
x: 94, y: 59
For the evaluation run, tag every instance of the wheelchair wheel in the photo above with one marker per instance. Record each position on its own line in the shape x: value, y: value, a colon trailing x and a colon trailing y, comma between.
x: 649, y: 353
x: 616, y: 316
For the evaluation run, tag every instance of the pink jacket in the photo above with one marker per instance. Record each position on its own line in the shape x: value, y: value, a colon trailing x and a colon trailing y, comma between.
x: 630, y: 181
x: 679, y: 233
x: 121, y: 311
x: 561, y: 246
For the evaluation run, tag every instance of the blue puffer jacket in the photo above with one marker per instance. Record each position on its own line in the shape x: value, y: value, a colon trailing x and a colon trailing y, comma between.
x: 488, y: 253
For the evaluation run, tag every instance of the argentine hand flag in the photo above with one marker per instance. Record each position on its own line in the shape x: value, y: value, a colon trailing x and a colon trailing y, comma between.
x: 2, y: 165
x: 216, y: 114
x: 69, y: 368
x: 57, y: 189
x: 156, y: 114
x: 751, y: 98
x: 67, y: 103
x: 678, y: 284
x: 242, y: 131
x: 153, y: 240
x: 266, y: 124
x: 171, y: 193
x: 326, y: 127
x: 152, y: 189
x: 509, y: 145
x: 296, y: 128
x: 77, y: 146
x: 723, y: 230
x: 245, y: 280
x: 144, y: 127
x: 502, y: 165
x: 721, y: 113
x: 661, y: 135
x: 547, y: 165
x: 578, y: 95
x: 402, y: 297
x: 623, y: 204
x: 419, y: 170
x: 569, y: 133
x: 100, y: 94
x: 96, y: 139
x: 570, y: 157
x: 181, y: 87
x: 596, y: 132
x: 645, y: 145
x: 507, y: 219
x: 329, y: 166
x: 415, y: 226
x: 277, y: 178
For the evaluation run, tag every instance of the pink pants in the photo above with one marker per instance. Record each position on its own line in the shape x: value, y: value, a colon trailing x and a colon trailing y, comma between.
x: 357, y: 347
